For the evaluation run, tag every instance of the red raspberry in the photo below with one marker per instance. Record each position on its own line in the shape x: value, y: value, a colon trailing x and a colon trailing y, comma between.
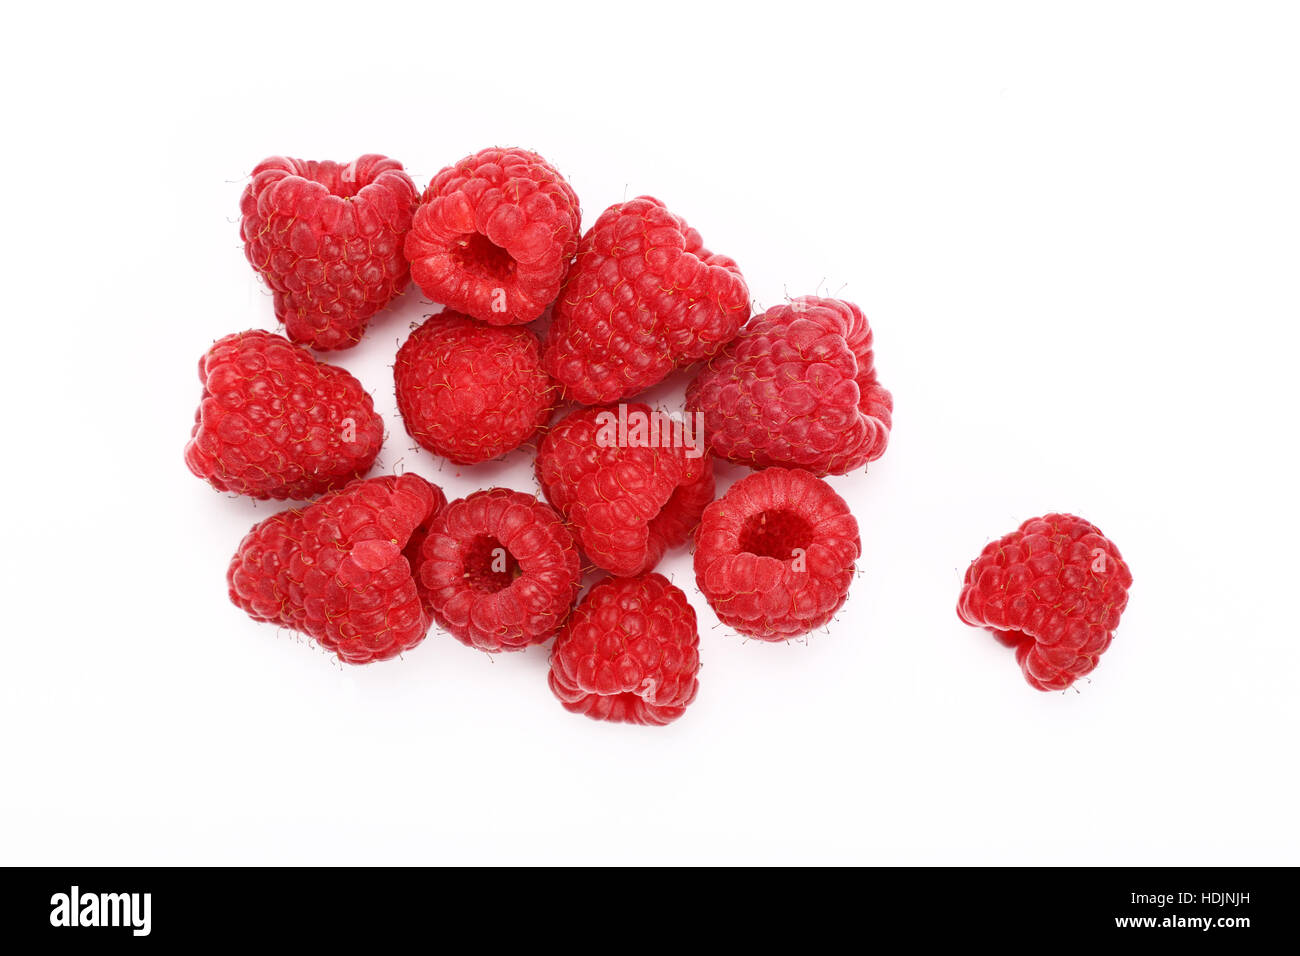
x: 471, y: 392
x: 499, y: 570
x: 775, y: 555
x: 628, y: 491
x: 494, y: 236
x: 1054, y: 590
x: 275, y: 423
x: 644, y: 297
x: 630, y: 652
x: 797, y: 387
x: 339, y: 570
x: 327, y: 238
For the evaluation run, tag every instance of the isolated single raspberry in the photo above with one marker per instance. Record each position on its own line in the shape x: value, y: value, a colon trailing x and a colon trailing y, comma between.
x: 629, y: 652
x: 469, y: 391
x: 275, y: 423
x: 797, y: 388
x: 499, y: 570
x: 327, y: 238
x: 494, y: 236
x: 643, y: 298
x: 774, y: 556
x: 1054, y: 590
x: 339, y: 570
x: 629, y: 481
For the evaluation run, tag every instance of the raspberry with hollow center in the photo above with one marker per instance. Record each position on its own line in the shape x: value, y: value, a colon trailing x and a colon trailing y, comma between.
x: 775, y: 534
x: 775, y: 555
x: 499, y: 570
x: 494, y: 236
x: 327, y: 238
x: 1054, y: 590
x: 629, y: 652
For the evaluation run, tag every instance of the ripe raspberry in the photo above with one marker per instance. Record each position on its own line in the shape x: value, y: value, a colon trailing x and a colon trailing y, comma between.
x: 1054, y: 590
x: 775, y: 555
x: 629, y: 491
x: 470, y: 392
x: 327, y: 238
x: 499, y: 570
x: 629, y: 652
x: 339, y: 570
x: 644, y: 297
x: 275, y: 423
x: 797, y: 388
x: 494, y: 236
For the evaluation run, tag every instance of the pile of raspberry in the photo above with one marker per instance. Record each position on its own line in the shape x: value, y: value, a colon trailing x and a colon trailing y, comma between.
x: 546, y: 336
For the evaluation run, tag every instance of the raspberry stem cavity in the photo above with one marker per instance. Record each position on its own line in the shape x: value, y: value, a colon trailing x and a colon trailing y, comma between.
x: 489, y: 565
x: 480, y: 256
x: 776, y: 534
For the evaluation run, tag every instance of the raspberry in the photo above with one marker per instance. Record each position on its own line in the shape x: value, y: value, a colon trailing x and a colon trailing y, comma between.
x: 339, y: 570
x: 494, y: 236
x: 327, y: 238
x: 499, y: 570
x: 470, y: 392
x: 644, y: 297
x: 275, y: 423
x: 629, y: 652
x: 775, y: 555
x: 797, y: 388
x: 629, y: 492
x: 1054, y: 590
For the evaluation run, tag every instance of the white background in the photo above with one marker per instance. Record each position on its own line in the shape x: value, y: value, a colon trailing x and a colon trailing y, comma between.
x: 1076, y: 230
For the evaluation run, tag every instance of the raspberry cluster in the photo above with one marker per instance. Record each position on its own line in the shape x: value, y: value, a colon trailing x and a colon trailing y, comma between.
x: 368, y: 566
